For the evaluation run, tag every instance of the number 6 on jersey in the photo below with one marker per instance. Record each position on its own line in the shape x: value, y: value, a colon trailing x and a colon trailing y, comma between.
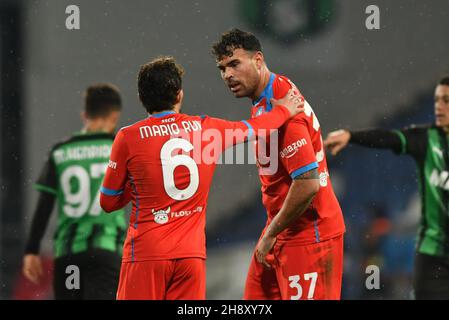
x: 170, y: 163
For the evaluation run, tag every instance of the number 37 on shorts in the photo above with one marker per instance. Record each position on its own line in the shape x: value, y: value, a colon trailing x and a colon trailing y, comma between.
x: 295, y: 284
x: 307, y: 272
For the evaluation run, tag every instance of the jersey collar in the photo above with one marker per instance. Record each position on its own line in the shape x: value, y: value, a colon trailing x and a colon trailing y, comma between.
x: 267, y: 93
x: 162, y: 114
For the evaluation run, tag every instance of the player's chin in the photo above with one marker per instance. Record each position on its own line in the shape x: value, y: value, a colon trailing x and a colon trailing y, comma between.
x: 440, y: 122
x: 239, y: 94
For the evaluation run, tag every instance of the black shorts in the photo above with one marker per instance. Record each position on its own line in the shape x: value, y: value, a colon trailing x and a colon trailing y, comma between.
x: 431, y: 279
x: 99, y: 272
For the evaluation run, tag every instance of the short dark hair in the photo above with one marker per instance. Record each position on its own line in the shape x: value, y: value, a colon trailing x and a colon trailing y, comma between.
x: 101, y: 99
x: 444, y: 81
x: 235, y: 39
x: 159, y: 83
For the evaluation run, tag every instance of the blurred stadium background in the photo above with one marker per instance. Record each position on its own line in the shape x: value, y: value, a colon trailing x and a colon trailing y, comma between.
x: 351, y: 76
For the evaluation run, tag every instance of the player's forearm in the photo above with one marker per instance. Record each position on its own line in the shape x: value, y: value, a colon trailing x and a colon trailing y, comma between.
x: 381, y: 139
x: 39, y: 224
x: 270, y: 121
x: 302, y: 191
x: 110, y: 203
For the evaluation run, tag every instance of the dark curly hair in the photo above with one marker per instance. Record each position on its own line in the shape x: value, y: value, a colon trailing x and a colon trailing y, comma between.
x: 101, y: 99
x: 159, y: 83
x: 234, y: 39
x: 444, y: 81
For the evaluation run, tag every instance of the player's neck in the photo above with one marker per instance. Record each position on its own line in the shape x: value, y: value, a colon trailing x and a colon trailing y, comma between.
x: 95, y: 126
x: 174, y: 110
x: 265, y: 78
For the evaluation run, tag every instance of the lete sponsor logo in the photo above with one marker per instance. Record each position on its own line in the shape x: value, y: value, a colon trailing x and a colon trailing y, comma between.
x: 161, y: 216
x: 323, y: 178
x: 292, y: 149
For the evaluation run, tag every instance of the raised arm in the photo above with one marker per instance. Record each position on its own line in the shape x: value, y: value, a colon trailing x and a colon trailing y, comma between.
x: 377, y: 138
x: 284, y: 109
x: 235, y: 132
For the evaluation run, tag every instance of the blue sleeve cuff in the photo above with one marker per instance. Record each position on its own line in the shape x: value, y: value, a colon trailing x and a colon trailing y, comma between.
x: 304, y: 169
x: 110, y: 192
x: 251, y: 130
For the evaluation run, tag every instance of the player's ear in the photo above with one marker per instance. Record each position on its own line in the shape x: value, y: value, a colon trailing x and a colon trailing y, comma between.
x: 113, y: 120
x: 259, y: 59
x: 177, y: 106
x: 83, y: 117
x: 180, y: 96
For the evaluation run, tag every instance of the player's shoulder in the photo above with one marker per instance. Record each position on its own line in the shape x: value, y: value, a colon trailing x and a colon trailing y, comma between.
x: 280, y: 79
x: 203, y: 119
x: 132, y: 129
x: 79, y: 137
x: 133, y: 126
x: 60, y: 143
x: 281, y: 85
x: 185, y: 116
x: 301, y: 119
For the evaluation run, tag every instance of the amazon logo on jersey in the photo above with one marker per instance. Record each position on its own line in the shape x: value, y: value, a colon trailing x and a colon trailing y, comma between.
x: 292, y: 149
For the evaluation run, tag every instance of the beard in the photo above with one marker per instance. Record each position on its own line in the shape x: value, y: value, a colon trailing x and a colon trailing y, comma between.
x: 245, y: 91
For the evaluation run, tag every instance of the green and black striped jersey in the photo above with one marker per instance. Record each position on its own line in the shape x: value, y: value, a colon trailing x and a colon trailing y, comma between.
x: 74, y: 173
x: 429, y: 147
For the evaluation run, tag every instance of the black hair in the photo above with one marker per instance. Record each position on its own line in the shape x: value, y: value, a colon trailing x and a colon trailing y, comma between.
x: 159, y: 83
x: 234, y: 39
x: 444, y: 81
x: 101, y: 99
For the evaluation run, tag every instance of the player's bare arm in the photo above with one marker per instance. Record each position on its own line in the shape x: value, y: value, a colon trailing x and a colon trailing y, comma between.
x: 301, y: 193
x: 32, y: 268
x: 337, y: 140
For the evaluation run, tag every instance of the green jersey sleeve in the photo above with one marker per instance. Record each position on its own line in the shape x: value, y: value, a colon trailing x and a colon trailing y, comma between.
x: 47, y: 181
x: 413, y: 140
